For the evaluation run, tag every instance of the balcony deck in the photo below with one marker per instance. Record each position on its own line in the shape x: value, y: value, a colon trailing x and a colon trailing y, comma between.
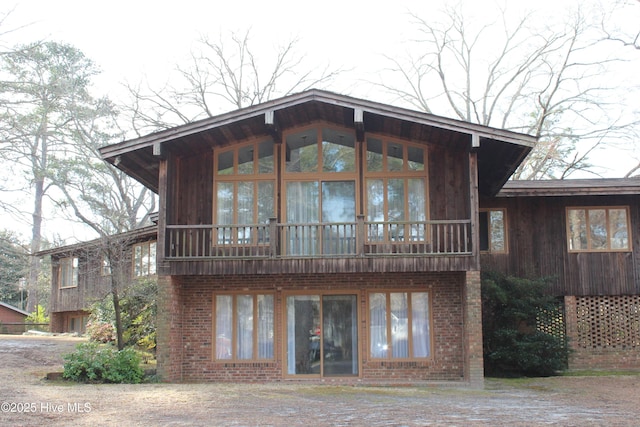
x: 318, y: 247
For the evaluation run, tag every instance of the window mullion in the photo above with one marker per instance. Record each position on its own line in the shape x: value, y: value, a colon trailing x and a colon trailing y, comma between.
x: 255, y: 351
x: 608, y: 228
x: 234, y: 327
x: 409, y: 326
x: 389, y: 337
x: 588, y: 231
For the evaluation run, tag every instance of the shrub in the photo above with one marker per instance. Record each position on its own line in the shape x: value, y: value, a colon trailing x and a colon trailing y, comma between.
x: 93, y: 362
x: 513, y: 343
x: 38, y: 318
x: 101, y: 331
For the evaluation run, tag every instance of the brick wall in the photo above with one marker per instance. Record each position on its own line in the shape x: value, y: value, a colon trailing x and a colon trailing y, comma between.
x: 56, y: 322
x: 603, y: 332
x: 185, y: 325
x: 169, y: 329
x: 473, y: 361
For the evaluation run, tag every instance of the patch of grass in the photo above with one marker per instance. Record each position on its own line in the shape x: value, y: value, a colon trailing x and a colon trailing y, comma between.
x: 599, y: 373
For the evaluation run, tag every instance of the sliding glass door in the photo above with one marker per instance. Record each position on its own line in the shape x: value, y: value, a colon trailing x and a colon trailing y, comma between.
x: 322, y: 336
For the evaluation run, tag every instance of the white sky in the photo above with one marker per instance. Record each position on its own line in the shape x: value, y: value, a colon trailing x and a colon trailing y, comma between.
x: 132, y: 39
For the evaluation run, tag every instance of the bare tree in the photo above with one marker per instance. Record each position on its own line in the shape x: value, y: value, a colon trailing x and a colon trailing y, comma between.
x: 623, y: 31
x: 222, y: 74
x: 518, y: 74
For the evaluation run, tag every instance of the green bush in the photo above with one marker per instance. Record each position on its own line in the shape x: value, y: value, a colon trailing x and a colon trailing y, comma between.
x: 92, y: 362
x: 513, y: 309
x: 39, y: 318
x: 534, y: 354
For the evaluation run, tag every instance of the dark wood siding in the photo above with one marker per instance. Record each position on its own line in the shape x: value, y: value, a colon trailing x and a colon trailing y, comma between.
x: 312, y: 266
x: 448, y: 184
x: 92, y: 286
x: 190, y: 189
x: 537, y: 237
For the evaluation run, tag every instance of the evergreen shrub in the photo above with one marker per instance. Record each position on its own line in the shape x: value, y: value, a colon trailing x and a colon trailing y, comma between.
x: 99, y: 363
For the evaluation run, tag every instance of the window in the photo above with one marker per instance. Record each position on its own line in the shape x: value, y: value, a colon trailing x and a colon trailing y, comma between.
x: 399, y: 325
x: 68, y: 275
x: 396, y: 191
x: 244, y: 191
x: 592, y: 229
x: 106, y: 266
x: 144, y: 259
x: 321, y: 150
x: 493, y: 230
x: 320, y: 192
x: 243, y: 327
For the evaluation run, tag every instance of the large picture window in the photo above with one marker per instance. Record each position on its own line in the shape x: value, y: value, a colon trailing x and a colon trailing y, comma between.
x: 68, y: 273
x: 244, y: 191
x: 320, y: 192
x: 399, y: 325
x: 592, y: 229
x: 396, y: 197
x: 243, y: 327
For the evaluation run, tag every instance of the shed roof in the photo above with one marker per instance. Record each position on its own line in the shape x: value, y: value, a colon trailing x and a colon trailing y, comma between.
x: 499, y: 151
x: 571, y: 187
x: 137, y: 235
x: 12, y: 308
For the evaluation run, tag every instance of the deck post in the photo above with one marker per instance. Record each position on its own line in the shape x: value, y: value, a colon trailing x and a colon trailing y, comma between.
x: 273, y: 237
x: 360, y: 235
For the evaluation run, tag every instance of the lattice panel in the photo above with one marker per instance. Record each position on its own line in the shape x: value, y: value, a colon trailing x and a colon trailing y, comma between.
x: 552, y: 321
x: 608, y: 321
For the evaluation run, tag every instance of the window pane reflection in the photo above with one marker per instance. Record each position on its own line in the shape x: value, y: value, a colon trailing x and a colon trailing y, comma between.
x: 338, y: 151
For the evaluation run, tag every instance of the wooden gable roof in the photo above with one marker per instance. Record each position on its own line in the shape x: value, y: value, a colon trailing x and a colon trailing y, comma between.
x: 499, y: 151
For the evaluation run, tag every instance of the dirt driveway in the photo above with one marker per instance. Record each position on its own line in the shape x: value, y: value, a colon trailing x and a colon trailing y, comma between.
x: 26, y: 399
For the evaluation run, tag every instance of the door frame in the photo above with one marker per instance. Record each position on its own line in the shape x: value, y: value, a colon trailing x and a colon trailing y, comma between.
x: 284, y: 326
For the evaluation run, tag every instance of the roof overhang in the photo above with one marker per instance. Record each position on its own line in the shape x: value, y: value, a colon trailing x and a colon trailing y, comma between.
x: 133, y: 236
x: 499, y: 151
x: 571, y: 187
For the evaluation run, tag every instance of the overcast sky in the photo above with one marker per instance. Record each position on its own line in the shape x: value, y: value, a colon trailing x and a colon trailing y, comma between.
x: 134, y: 38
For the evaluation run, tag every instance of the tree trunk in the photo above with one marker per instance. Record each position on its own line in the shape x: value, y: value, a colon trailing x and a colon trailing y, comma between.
x: 118, y: 313
x: 36, y: 239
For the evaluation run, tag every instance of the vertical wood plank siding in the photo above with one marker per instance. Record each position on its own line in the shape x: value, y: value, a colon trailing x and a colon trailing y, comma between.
x: 538, y: 247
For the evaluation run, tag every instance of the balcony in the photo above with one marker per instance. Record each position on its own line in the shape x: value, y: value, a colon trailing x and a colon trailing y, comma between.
x: 360, y: 239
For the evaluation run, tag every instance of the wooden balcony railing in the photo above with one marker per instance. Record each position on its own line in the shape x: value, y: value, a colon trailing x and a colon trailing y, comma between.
x: 318, y: 240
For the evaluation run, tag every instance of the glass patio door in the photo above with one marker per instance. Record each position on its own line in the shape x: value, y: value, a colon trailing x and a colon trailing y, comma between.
x: 322, y: 336
x: 310, y: 203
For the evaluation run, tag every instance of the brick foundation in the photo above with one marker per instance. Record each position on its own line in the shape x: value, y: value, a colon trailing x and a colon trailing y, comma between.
x: 599, y: 347
x: 59, y: 321
x: 185, y: 326
x: 473, y: 360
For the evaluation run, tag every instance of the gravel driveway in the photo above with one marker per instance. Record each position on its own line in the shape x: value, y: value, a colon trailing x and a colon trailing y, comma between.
x: 29, y: 400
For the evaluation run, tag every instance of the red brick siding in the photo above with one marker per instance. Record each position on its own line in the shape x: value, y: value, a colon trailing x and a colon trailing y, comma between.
x: 186, y: 321
x: 474, y: 363
x: 596, y: 357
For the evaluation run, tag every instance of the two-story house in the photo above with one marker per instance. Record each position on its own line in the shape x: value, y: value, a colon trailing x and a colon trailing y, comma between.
x: 81, y: 274
x: 322, y: 237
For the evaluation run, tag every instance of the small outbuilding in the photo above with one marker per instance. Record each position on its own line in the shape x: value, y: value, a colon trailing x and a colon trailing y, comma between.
x: 12, y: 319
